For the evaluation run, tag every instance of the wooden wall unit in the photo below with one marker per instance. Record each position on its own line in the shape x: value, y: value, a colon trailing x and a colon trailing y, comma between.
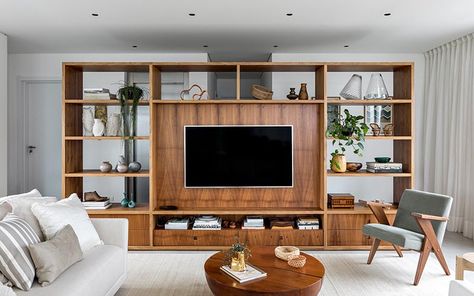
x: 341, y: 229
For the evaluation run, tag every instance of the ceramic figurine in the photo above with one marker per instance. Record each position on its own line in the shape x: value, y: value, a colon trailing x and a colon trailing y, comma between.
x: 134, y: 167
x: 122, y: 166
x: 125, y: 201
x: 131, y: 204
x: 303, y: 92
x: 105, y: 167
x: 87, y: 121
x: 292, y: 95
x: 113, y: 125
x: 99, y: 128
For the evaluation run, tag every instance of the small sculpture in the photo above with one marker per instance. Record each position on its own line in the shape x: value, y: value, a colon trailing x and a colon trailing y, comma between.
x: 105, y: 167
x: 99, y: 128
x: 303, y: 92
x: 125, y: 201
x: 94, y: 196
x: 134, y: 167
x: 388, y: 130
x: 87, y: 121
x: 292, y: 95
x: 197, y: 96
x: 122, y: 166
x: 113, y: 125
x: 375, y: 129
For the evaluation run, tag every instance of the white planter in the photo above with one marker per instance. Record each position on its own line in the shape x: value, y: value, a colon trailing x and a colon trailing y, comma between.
x: 99, y: 128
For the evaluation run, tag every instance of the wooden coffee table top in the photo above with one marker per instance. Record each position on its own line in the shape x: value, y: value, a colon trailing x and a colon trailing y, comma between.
x: 281, y: 279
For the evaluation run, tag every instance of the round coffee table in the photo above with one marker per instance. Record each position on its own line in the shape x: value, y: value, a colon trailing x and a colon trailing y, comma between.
x: 281, y: 279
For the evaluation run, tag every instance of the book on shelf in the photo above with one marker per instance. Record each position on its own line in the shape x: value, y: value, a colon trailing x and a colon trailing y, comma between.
x: 388, y: 165
x: 207, y: 223
x: 308, y: 223
x: 253, y: 227
x: 105, y: 96
x: 250, y: 274
x: 308, y: 227
x: 98, y: 207
x: 276, y: 227
x: 96, y: 90
x: 177, y: 224
x: 96, y: 203
x: 375, y: 171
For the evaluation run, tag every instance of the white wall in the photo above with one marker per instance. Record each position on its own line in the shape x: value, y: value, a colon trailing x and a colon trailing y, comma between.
x: 366, y: 188
x: 3, y: 114
x: 49, y: 66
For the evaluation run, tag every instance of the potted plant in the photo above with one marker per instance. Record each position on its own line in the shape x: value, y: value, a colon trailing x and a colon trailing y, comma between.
x: 347, y: 133
x: 237, y: 255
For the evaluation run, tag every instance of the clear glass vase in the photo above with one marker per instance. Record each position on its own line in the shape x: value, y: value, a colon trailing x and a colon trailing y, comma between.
x: 376, y: 89
x: 353, y: 88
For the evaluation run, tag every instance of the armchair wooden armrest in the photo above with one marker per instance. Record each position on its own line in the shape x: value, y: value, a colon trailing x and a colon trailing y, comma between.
x: 379, y: 213
x: 429, y: 217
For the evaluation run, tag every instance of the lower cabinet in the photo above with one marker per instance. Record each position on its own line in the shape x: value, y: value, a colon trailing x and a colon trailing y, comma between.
x: 138, y: 228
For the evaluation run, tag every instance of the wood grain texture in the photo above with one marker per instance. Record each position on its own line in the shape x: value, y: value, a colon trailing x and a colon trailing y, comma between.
x: 138, y: 227
x: 281, y: 279
x: 169, y: 161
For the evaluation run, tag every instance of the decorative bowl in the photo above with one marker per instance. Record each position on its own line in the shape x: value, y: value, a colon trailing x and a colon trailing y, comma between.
x: 353, y: 166
x: 284, y: 252
x: 297, y: 261
x: 382, y: 159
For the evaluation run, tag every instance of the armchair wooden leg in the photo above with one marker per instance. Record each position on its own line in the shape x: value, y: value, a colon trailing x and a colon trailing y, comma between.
x: 398, y: 250
x: 439, y: 254
x: 375, y: 246
x: 459, y: 268
x: 424, y: 254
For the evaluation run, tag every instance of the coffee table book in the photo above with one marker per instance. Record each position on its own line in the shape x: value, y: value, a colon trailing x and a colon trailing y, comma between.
x: 250, y: 274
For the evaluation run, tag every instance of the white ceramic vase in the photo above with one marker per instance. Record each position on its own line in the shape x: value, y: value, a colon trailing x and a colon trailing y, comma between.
x: 87, y: 121
x: 99, y: 128
x: 113, y: 125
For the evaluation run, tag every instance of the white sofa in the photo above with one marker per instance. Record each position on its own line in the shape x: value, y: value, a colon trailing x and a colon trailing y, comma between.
x: 102, y: 271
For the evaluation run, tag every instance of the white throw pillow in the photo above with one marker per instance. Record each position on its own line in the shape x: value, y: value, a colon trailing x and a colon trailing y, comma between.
x: 32, y: 193
x: 55, y: 216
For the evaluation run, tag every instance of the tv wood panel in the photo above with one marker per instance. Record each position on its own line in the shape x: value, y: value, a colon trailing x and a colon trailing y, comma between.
x: 169, y: 163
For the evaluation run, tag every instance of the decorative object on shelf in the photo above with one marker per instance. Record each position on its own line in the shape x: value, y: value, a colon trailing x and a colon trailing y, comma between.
x: 261, y: 93
x: 376, y: 89
x: 340, y: 200
x: 297, y: 261
x: 113, y: 125
x: 365, y: 203
x: 100, y: 112
x: 284, y: 252
x: 105, y: 167
x: 375, y: 129
x: 348, y: 131
x: 353, y: 88
x: 292, y: 95
x: 99, y: 128
x: 384, y: 167
x: 131, y: 204
x: 382, y: 159
x: 87, y: 121
x: 124, y: 202
x: 380, y: 115
x: 122, y: 166
x: 134, y: 166
x: 388, y: 130
x: 353, y: 166
x: 168, y: 208
x: 333, y: 112
x: 93, y: 196
x: 196, y: 96
x: 232, y: 225
x: 237, y: 255
x: 303, y: 95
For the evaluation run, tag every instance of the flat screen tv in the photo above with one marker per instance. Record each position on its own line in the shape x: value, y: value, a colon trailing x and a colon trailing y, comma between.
x: 238, y: 156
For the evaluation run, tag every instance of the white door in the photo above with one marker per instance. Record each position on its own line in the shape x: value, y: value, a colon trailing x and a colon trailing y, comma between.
x: 43, y: 136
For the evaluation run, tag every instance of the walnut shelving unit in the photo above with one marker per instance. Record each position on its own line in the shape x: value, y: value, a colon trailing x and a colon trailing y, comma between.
x: 341, y: 229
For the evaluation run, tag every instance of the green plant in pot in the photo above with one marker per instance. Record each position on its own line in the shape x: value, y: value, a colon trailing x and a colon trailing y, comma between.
x: 348, y: 132
x: 237, y: 255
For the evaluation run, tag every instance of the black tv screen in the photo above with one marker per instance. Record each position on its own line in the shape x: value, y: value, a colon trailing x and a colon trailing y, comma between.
x: 238, y: 156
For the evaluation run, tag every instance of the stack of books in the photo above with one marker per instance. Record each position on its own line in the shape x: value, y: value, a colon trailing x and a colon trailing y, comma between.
x: 282, y: 223
x: 389, y: 167
x: 177, y: 224
x: 249, y: 274
x: 308, y: 223
x: 97, y: 205
x: 207, y: 223
x: 253, y: 222
x: 98, y: 94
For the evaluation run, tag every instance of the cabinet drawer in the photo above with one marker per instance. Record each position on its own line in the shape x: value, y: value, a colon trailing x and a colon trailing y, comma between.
x: 194, y: 237
x: 139, y: 222
x: 347, y: 238
x: 353, y: 221
x: 309, y: 237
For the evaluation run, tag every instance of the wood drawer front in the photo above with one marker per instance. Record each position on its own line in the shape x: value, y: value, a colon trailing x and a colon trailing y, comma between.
x: 139, y: 222
x: 194, y: 238
x: 353, y: 221
x: 302, y: 237
x: 347, y: 237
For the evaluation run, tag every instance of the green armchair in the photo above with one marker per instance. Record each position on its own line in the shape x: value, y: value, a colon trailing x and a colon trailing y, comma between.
x: 419, y: 225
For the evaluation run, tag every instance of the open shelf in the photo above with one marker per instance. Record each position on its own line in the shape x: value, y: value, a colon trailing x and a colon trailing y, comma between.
x: 364, y: 173
x: 103, y: 138
x: 117, y: 209
x: 242, y: 211
x: 369, y: 102
x: 239, y: 101
x: 381, y: 138
x: 97, y: 173
x: 102, y: 102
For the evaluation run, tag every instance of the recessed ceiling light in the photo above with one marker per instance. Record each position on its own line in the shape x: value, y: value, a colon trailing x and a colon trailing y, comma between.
x: 95, y: 14
x: 289, y: 14
x: 346, y: 45
x: 275, y: 46
x: 205, y: 46
x: 192, y: 14
x: 135, y: 46
x: 387, y: 14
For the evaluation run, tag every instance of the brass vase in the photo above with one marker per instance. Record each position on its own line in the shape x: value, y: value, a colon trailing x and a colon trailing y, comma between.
x: 338, y: 163
x: 303, y: 92
x: 238, y: 262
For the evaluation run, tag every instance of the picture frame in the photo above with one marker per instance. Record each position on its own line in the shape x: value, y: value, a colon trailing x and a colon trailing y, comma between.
x: 379, y: 114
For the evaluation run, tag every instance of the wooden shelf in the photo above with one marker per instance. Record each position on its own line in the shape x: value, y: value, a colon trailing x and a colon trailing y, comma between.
x: 359, y: 210
x: 244, y: 211
x: 240, y: 101
x: 104, y: 138
x: 364, y: 173
x: 367, y: 66
x: 97, y: 173
x: 369, y: 102
x: 382, y: 138
x: 116, y: 209
x: 102, y: 102
x: 109, y: 66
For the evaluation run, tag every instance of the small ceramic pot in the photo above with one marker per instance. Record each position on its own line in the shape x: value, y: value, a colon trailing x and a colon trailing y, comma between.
x: 303, y: 92
x: 134, y: 167
x: 238, y: 262
x: 122, y: 168
x: 105, y: 167
x: 292, y: 95
x: 131, y: 204
x: 382, y: 159
x: 99, y: 128
x: 338, y: 163
x: 353, y: 166
x: 125, y: 201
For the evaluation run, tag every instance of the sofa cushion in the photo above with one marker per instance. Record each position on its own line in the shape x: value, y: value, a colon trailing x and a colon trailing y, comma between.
x: 95, y: 275
x: 398, y: 236
x: 32, y: 193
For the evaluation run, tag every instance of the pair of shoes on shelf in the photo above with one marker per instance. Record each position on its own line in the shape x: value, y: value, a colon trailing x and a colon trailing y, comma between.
x: 94, y: 196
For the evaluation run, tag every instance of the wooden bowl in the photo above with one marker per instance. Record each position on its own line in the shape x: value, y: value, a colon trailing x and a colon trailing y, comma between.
x: 353, y: 166
x: 284, y: 252
x: 297, y: 261
x: 261, y: 93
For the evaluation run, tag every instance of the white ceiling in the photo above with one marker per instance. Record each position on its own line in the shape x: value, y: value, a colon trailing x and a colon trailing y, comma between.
x: 233, y: 29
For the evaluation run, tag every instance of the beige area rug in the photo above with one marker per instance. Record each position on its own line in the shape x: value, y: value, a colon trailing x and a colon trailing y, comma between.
x: 182, y: 274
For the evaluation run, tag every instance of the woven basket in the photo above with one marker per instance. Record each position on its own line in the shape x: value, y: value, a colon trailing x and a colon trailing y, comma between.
x: 297, y: 261
x: 283, y: 252
x: 261, y: 93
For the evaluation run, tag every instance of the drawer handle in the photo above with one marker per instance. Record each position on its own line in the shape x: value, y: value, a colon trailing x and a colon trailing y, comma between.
x: 281, y: 237
x: 195, y: 238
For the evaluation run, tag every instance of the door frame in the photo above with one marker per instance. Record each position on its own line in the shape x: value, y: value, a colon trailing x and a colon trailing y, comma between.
x: 23, y: 123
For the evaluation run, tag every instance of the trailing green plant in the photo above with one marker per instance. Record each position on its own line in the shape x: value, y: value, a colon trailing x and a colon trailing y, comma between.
x: 348, y: 132
x: 236, y: 248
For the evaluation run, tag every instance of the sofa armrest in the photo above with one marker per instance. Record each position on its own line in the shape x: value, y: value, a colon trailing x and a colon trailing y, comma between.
x: 461, y: 288
x: 112, y: 231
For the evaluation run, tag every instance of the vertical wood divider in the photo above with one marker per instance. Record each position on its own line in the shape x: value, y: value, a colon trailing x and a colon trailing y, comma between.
x: 321, y: 82
x: 155, y: 93
x: 237, y: 83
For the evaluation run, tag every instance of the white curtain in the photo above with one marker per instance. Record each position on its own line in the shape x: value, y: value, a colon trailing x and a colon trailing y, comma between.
x: 448, y: 124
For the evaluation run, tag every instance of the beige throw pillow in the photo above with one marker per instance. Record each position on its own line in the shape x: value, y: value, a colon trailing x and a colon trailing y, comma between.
x: 53, y: 257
